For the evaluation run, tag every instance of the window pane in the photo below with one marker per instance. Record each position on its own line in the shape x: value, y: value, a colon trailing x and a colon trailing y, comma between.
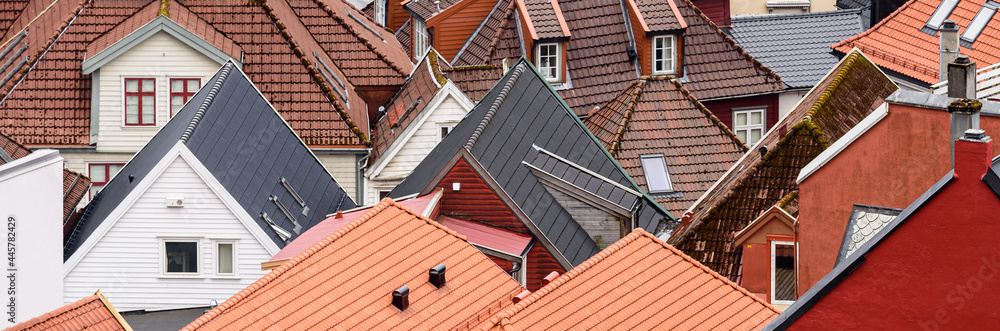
x: 94, y: 190
x: 756, y: 117
x: 444, y: 131
x: 131, y: 86
x: 176, y: 85
x: 742, y: 134
x: 113, y: 170
x: 741, y: 119
x: 181, y: 256
x: 655, y: 169
x: 147, y: 110
x: 193, y: 85
x: 147, y: 85
x: 132, y: 110
x: 176, y: 102
x: 784, y: 272
x: 754, y: 136
x: 225, y: 261
x: 97, y: 173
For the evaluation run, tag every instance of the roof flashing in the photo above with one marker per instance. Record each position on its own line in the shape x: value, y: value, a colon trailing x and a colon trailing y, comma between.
x: 941, y: 13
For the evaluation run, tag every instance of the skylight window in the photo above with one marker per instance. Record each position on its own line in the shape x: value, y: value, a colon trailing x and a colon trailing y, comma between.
x: 940, y: 14
x: 654, y: 166
x: 983, y: 17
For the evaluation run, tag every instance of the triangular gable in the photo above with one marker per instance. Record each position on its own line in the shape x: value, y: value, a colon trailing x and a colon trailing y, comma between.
x: 179, y: 22
x: 93, y: 312
x: 775, y: 215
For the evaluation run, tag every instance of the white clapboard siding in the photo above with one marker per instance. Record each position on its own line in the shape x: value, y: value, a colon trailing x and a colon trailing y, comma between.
x: 161, y: 56
x: 125, y: 263
x: 450, y: 112
x: 343, y: 168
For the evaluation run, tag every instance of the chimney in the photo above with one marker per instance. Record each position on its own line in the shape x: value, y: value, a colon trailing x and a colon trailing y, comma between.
x: 401, y: 298
x: 964, y: 117
x: 521, y: 296
x: 962, y: 78
x: 437, y: 275
x: 686, y: 219
x: 973, y: 154
x: 948, y: 45
x: 548, y: 279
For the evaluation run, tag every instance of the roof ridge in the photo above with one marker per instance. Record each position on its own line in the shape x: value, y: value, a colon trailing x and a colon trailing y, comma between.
x: 827, y: 93
x: 294, y: 261
x: 495, y: 39
x: 223, y: 75
x: 871, y: 29
x: 326, y: 7
x: 514, y: 75
x: 711, y: 116
x: 635, y: 94
x: 763, y: 17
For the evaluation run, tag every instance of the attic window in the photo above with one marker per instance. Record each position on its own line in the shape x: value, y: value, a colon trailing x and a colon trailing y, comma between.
x: 984, y: 16
x: 654, y: 167
x: 420, y: 39
x: 664, y: 50
x: 940, y: 14
x: 547, y: 58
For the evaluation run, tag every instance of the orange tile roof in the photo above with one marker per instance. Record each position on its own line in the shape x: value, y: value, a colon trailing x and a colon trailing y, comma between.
x: 90, y: 313
x: 345, y: 281
x: 897, y: 43
x: 639, y: 282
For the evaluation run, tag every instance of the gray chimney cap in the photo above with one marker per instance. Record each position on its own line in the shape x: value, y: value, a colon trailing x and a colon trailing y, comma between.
x: 974, y: 134
x: 962, y: 59
x: 948, y: 25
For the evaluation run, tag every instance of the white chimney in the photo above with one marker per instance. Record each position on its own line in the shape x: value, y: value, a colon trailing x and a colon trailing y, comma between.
x: 949, y: 48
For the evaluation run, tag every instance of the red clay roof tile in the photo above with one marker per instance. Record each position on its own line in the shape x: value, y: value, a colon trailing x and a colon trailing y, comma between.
x: 411, y: 100
x: 90, y: 313
x: 9, y: 11
x: 475, y: 81
x: 544, y: 18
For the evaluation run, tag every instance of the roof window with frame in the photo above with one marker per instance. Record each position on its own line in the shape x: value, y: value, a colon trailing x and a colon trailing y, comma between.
x: 548, y: 57
x: 654, y: 167
x: 940, y: 14
x: 983, y: 17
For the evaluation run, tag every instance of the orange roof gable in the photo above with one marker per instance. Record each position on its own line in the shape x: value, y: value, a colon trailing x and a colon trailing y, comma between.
x: 638, y: 282
x: 897, y: 43
x: 345, y: 281
x: 90, y: 313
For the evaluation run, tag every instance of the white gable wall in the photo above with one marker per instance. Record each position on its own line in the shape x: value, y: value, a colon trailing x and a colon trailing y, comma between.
x: 161, y: 56
x: 125, y: 264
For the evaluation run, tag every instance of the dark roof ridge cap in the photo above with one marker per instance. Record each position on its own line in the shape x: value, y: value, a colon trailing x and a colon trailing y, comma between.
x: 768, y: 17
x: 747, y: 56
x: 496, y: 105
x: 223, y: 75
x: 711, y: 116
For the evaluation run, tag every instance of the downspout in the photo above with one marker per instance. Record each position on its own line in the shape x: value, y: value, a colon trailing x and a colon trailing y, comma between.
x: 631, y: 38
x: 795, y: 236
x: 361, y: 163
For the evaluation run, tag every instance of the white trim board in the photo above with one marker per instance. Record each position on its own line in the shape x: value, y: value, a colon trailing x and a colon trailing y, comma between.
x: 841, y: 144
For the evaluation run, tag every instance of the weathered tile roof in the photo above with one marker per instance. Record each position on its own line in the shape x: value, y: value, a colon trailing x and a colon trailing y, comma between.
x: 75, y: 185
x: 475, y: 81
x: 659, y: 116
x: 865, y: 223
x: 388, y: 247
x: 425, y: 9
x: 546, y: 18
x: 246, y: 145
x: 795, y: 46
x: 423, y: 83
x: 90, y: 313
x: 715, y: 67
x: 851, y: 91
x: 660, y: 15
x: 51, y: 106
x: 495, y: 39
x: 898, y: 44
x: 366, y: 53
x: 864, y: 5
x: 638, y: 282
x: 403, y: 35
x: 9, y: 11
x: 509, y: 127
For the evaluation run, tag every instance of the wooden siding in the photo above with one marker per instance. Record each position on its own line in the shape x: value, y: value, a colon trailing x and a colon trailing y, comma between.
x: 540, y: 264
x: 344, y: 168
x: 79, y: 161
x: 451, y: 32
x: 716, y: 10
x: 603, y: 227
x: 125, y: 263
x: 396, y: 14
x: 161, y: 57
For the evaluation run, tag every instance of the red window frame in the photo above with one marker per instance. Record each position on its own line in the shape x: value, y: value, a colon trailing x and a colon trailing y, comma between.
x: 139, y: 94
x: 107, y: 175
x: 186, y: 93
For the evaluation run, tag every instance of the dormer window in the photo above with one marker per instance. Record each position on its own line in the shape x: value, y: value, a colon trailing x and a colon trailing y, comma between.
x: 420, y: 41
x: 547, y: 58
x: 654, y: 167
x: 140, y: 101
x: 664, y: 53
x: 380, y: 11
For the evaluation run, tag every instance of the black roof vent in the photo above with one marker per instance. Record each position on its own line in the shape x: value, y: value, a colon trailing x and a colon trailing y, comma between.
x: 763, y: 151
x: 437, y: 275
x: 401, y: 298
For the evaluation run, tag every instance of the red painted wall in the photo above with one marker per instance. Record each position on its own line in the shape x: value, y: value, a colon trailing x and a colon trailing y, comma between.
x: 757, y: 268
x: 938, y: 271
x: 723, y: 109
x: 891, y: 165
x: 475, y: 201
x: 716, y: 10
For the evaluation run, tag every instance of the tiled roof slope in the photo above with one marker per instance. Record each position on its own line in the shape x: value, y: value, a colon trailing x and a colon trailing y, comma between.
x: 403, y: 35
x: 90, y: 313
x: 492, y: 41
x: 659, y: 15
x: 411, y: 100
x: 75, y: 185
x: 9, y: 11
x: 246, y: 146
x: 796, y: 46
x: 52, y: 104
x: 366, y: 53
x: 659, y: 116
x: 715, y: 66
x: 426, y: 9
x: 897, y: 43
x: 505, y: 131
x: 545, y: 19
x: 475, y: 81
x: 638, y: 282
x: 851, y: 91
x: 864, y: 5
x: 388, y: 247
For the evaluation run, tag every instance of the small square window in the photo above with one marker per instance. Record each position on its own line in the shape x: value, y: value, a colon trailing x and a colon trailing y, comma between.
x: 444, y: 130
x: 225, y: 258
x: 180, y: 256
x: 664, y: 51
x: 140, y: 102
x: 547, y: 59
x: 654, y: 167
x: 749, y: 125
x: 383, y: 194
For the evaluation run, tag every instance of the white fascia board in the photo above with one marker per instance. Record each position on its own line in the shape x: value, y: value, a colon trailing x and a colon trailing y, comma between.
x: 831, y: 152
x: 35, y: 160
x: 449, y: 89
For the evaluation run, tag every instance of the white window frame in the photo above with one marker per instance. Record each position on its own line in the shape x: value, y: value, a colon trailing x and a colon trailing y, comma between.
x: 216, y: 255
x: 380, y: 11
x: 774, y: 246
x: 672, y: 55
x: 558, y: 62
x: 163, y: 257
x: 420, y: 40
x: 749, y: 127
x: 450, y: 126
x: 666, y: 172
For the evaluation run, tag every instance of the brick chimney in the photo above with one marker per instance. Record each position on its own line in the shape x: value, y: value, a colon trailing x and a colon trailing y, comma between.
x: 973, y: 154
x: 964, y: 118
x: 948, y: 45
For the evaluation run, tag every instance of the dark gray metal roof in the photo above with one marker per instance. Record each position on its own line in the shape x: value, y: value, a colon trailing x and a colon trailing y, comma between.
x: 865, y: 223
x: 796, y: 46
x: 520, y: 112
x: 163, y: 320
x: 246, y: 145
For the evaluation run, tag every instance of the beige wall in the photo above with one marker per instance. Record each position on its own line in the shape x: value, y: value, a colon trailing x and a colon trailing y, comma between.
x: 737, y: 7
